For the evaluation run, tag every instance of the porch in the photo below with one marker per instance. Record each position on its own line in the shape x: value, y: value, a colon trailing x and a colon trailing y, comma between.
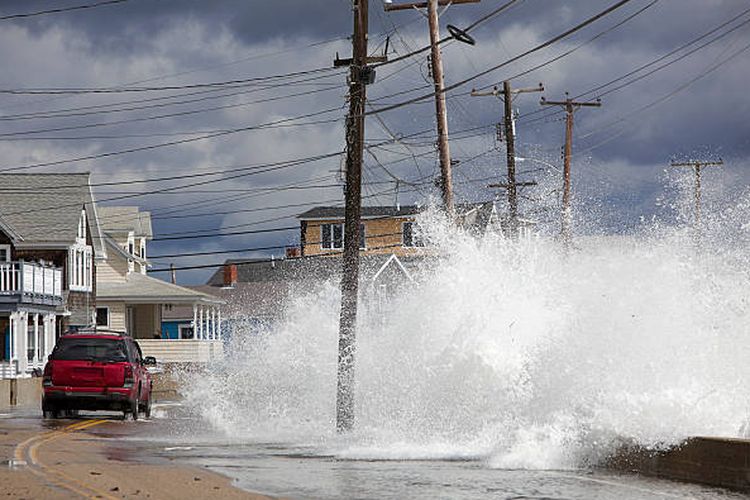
x: 27, y: 338
x: 29, y: 295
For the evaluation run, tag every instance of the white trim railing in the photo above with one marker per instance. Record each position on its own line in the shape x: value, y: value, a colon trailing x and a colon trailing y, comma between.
x: 30, y: 279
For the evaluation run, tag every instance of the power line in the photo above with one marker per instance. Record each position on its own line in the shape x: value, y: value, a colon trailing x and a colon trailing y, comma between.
x: 576, y: 48
x: 537, y: 48
x: 653, y: 62
x: 202, y: 92
x: 123, y: 90
x: 62, y: 9
x: 273, y: 124
x: 12, y: 135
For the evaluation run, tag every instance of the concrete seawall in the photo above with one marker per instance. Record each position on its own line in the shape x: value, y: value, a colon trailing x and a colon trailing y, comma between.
x: 722, y: 462
x: 20, y: 393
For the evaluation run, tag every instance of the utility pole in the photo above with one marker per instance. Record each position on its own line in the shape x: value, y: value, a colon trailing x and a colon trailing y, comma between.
x: 697, y: 167
x: 439, y: 85
x: 360, y: 75
x: 570, y: 107
x: 510, y: 148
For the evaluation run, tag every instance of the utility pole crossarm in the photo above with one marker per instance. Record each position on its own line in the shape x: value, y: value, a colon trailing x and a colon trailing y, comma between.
x: 517, y: 184
x: 594, y: 104
x: 698, y: 164
x: 388, y: 7
x: 498, y: 93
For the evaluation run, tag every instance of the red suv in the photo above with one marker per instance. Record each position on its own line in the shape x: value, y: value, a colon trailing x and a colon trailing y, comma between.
x: 97, y: 371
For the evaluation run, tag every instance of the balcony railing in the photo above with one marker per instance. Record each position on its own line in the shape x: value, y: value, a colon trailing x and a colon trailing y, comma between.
x: 30, y: 282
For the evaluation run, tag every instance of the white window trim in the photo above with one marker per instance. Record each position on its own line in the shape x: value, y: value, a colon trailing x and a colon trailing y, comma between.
x: 341, y: 224
x: 7, y: 252
x: 109, y: 316
x: 81, y: 235
x: 80, y: 268
x: 332, y: 239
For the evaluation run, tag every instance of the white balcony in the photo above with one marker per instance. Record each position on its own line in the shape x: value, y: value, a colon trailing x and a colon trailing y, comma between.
x: 29, y: 282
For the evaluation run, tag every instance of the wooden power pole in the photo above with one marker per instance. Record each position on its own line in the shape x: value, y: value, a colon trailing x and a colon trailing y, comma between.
x: 511, y: 186
x: 360, y: 75
x: 697, y: 167
x: 439, y: 85
x: 570, y: 107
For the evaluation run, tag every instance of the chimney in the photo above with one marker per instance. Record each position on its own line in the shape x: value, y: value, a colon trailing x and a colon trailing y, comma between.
x: 293, y: 252
x: 173, y: 272
x: 230, y: 275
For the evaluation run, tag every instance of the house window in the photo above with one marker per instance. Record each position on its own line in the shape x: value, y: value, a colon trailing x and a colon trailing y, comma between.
x: 4, y: 253
x: 102, y: 316
x: 410, y: 235
x: 332, y: 236
x: 80, y: 266
x: 143, y: 249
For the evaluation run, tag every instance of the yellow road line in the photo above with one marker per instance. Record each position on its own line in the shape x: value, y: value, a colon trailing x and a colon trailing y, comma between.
x: 68, y: 428
x: 31, y: 447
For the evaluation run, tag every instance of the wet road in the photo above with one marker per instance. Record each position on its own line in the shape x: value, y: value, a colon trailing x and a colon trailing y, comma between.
x: 303, y: 472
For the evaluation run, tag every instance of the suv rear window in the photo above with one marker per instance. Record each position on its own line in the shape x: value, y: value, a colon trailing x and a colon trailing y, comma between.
x: 103, y: 350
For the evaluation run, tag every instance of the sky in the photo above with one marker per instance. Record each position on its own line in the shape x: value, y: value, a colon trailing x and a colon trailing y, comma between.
x: 689, y: 103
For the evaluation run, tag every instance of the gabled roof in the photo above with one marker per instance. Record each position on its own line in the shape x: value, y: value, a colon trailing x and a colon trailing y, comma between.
x: 114, y: 246
x: 139, y: 288
x: 377, y: 211
x: 44, y: 209
x: 9, y: 231
x: 124, y: 220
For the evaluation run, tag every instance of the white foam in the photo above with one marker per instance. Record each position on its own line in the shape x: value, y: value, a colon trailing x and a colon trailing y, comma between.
x: 514, y: 353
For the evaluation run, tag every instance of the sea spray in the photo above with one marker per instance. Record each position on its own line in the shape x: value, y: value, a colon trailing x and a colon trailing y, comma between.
x: 515, y: 353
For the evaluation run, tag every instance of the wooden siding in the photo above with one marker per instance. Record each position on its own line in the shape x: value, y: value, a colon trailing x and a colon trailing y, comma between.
x: 383, y: 236
x: 113, y: 270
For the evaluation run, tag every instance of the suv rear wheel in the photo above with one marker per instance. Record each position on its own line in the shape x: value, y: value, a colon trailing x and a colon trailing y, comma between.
x: 49, y: 411
x: 146, y: 408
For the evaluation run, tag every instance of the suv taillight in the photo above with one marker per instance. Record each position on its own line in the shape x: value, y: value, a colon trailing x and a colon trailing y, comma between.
x: 47, y: 376
x: 128, y: 376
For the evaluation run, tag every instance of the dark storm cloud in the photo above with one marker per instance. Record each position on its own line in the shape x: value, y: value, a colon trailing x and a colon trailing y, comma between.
x: 620, y: 153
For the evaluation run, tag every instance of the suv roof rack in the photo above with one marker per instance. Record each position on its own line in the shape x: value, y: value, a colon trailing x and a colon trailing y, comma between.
x: 92, y: 330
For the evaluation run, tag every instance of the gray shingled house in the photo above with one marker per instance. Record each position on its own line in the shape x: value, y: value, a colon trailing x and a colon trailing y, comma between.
x: 49, y: 243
